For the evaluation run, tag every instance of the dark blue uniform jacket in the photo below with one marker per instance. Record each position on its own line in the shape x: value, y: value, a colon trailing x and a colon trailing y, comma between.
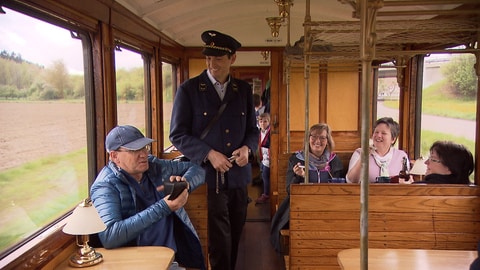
x: 196, y: 103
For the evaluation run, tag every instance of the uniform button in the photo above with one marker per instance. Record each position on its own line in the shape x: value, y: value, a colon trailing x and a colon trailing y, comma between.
x: 204, y: 113
x: 243, y: 113
x: 229, y: 144
x: 227, y: 130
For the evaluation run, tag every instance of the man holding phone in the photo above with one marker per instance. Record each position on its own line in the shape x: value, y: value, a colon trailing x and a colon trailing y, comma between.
x: 130, y: 197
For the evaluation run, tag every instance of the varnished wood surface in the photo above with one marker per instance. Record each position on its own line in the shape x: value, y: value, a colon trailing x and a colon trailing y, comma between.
x: 197, y: 210
x: 411, y: 259
x: 127, y: 258
x: 325, y: 219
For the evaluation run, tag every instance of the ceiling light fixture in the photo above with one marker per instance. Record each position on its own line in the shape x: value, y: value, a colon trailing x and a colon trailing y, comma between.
x: 274, y: 23
x: 265, y: 55
x: 284, y: 7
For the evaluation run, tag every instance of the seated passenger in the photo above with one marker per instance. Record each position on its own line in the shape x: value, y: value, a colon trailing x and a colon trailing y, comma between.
x: 324, y: 164
x: 384, y: 159
x: 449, y: 163
x: 128, y: 194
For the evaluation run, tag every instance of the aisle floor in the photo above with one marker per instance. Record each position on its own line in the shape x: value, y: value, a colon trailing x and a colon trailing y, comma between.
x: 255, y: 250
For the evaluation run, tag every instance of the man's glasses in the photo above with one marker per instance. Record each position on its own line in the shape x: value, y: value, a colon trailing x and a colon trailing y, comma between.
x: 146, y: 148
x: 314, y: 138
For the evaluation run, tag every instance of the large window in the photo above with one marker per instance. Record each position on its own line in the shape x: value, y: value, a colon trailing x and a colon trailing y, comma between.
x: 447, y: 100
x: 130, y: 88
x: 449, y: 97
x: 388, y: 92
x: 43, y: 142
x: 168, y: 88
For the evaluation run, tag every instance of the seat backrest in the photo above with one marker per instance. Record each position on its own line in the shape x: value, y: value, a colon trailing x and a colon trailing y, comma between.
x: 325, y: 219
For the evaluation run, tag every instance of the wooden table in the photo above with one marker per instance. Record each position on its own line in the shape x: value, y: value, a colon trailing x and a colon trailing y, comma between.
x: 411, y: 259
x: 128, y: 258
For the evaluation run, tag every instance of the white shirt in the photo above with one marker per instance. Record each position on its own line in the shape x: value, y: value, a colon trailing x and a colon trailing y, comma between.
x: 221, y: 88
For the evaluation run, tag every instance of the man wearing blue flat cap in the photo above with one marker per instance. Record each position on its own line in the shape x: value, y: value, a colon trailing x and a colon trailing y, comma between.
x: 129, y: 196
x: 213, y: 124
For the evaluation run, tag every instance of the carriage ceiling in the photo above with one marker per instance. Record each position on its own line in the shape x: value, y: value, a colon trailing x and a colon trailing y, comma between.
x: 412, y: 24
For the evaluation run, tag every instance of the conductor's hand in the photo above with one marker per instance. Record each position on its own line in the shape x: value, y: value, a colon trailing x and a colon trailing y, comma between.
x: 241, y: 155
x: 179, y: 202
x: 219, y: 161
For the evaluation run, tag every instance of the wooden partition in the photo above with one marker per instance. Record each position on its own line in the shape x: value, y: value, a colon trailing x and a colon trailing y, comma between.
x: 197, y: 210
x: 325, y: 219
x: 280, y: 195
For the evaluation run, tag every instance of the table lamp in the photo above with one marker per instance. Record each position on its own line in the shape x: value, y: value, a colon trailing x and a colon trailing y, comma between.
x: 84, y: 221
x: 419, y: 167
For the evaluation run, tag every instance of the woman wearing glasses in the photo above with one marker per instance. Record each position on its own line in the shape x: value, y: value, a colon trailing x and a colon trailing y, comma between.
x: 449, y: 163
x: 384, y: 160
x: 324, y: 165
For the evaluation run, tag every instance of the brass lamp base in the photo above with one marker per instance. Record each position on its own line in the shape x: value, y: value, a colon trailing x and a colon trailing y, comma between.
x: 84, y: 257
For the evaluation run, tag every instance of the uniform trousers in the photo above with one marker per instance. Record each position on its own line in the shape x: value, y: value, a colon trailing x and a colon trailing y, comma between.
x: 227, y: 213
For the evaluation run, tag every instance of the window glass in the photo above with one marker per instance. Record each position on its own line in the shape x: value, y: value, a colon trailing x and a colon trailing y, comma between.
x: 43, y: 142
x: 388, y: 92
x: 130, y: 88
x: 449, y: 97
x: 168, y: 87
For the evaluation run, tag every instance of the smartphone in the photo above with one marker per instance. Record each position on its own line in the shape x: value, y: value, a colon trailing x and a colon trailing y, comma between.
x: 174, y: 188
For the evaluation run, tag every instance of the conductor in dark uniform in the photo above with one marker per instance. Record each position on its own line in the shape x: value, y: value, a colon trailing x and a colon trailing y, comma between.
x: 213, y: 120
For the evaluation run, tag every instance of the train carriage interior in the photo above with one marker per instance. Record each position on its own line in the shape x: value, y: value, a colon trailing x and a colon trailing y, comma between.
x: 341, y: 62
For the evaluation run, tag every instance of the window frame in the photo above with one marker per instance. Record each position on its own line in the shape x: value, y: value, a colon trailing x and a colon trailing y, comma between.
x: 147, y: 59
x: 175, y: 71
x: 36, y: 249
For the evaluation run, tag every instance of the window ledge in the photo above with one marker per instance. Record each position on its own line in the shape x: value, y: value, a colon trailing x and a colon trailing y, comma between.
x: 36, y: 253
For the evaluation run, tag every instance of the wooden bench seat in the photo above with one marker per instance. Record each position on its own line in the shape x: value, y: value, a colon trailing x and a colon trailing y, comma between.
x: 281, y: 194
x: 325, y: 219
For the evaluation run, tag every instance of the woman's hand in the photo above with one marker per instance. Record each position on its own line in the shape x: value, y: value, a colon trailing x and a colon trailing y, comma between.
x: 402, y: 181
x: 299, y: 169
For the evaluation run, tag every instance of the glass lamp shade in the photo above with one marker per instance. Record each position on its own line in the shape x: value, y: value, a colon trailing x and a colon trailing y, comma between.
x: 84, y: 221
x: 419, y: 167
